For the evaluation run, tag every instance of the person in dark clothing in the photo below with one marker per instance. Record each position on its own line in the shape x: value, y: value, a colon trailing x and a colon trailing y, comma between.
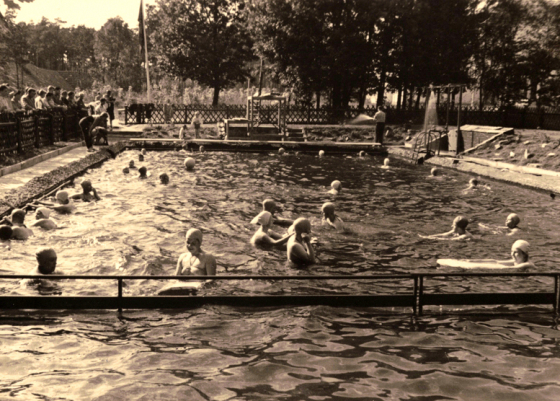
x: 110, y: 107
x: 88, y: 124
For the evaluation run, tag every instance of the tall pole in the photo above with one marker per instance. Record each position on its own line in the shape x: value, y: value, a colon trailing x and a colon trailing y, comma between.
x: 146, y: 53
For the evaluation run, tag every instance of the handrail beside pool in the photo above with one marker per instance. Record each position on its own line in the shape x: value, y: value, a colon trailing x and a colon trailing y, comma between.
x: 415, y: 300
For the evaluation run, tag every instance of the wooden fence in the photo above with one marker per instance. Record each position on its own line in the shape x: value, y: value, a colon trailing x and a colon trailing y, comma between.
x: 22, y: 131
x: 182, y: 114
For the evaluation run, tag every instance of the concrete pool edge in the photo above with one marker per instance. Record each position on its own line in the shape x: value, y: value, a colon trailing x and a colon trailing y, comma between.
x: 508, y: 173
x: 43, y: 184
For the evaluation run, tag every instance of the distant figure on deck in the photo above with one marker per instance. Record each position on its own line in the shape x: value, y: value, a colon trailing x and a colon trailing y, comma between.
x: 42, y: 215
x: 330, y: 218
x: 88, y: 193
x: 196, y: 123
x: 195, y: 262
x: 269, y: 205
x: 379, y: 119
x: 65, y: 205
x: 263, y: 236
x: 458, y: 230
x: 336, y: 187
x: 300, y: 251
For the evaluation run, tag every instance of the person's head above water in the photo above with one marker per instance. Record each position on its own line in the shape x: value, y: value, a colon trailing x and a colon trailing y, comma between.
x: 434, y: 172
x: 142, y: 170
x: 321, y: 153
x: 302, y: 226
x: 460, y: 222
x: 164, y: 178
x: 46, y: 260
x: 264, y: 218
x: 140, y: 157
x: 125, y: 170
x: 42, y: 213
x: 512, y: 221
x: 336, y: 185
x: 520, y: 251
x: 328, y: 209
x: 86, y: 186
x: 189, y: 163
x: 473, y: 182
x: 386, y: 162
x: 18, y: 216
x: 62, y: 197
x: 131, y: 164
x: 5, y: 233
x: 281, y: 151
x: 193, y: 239
x: 269, y: 205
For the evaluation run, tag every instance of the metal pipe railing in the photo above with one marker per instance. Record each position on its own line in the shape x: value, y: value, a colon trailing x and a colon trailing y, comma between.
x: 416, y: 300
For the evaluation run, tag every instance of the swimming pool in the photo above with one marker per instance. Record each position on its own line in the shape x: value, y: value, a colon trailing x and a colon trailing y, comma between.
x: 283, y: 353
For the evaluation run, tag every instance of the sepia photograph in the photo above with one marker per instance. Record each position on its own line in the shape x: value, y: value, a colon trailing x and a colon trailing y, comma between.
x: 295, y: 200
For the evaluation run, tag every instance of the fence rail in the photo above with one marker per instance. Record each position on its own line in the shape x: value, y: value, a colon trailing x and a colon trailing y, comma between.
x: 182, y: 114
x: 416, y: 299
x: 22, y: 131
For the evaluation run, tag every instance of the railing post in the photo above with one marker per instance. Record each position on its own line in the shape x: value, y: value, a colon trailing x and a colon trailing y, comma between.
x: 415, y: 304
x: 420, y: 293
x: 125, y: 115
x: 120, y: 294
x: 557, y: 294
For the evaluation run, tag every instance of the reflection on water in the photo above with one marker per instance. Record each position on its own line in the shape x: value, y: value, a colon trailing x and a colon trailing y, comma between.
x: 314, y: 353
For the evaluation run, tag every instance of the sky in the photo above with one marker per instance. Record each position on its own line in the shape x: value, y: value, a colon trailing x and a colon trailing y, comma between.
x: 91, y: 13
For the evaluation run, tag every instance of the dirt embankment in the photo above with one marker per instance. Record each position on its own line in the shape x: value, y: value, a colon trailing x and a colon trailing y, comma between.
x: 32, y: 76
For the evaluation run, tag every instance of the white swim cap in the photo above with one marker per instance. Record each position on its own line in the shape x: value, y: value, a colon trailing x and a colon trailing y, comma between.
x: 194, y: 233
x: 263, y: 218
x: 44, y: 212
x: 336, y: 185
x: 62, y: 196
x: 521, y: 245
x: 328, y: 207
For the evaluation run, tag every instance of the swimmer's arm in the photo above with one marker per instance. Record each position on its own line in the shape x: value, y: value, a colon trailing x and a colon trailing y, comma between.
x: 63, y: 208
x: 50, y: 204
x: 443, y: 235
x: 281, y: 241
x: 283, y: 222
x: 95, y: 194
x: 76, y: 196
x: 211, y: 266
x: 179, y: 269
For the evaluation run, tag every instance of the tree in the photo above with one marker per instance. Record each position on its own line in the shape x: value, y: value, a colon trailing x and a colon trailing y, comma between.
x: 11, y: 4
x: 117, y: 54
x: 204, y: 40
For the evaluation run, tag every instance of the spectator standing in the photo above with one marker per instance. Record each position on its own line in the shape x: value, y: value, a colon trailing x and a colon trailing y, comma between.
x: 379, y: 118
x: 80, y: 104
x: 100, y: 107
x: 40, y: 100
x: 168, y: 112
x: 64, y: 98
x: 5, y: 102
x: 15, y: 97
x: 72, y: 101
x: 196, y: 123
x: 110, y: 107
x: 28, y: 100
x: 57, y: 97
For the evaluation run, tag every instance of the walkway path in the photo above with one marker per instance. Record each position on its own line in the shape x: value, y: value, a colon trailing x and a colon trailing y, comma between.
x: 20, y: 178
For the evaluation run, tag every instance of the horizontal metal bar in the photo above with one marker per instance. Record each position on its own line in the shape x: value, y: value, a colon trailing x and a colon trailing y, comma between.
x: 254, y: 277
x: 180, y: 302
x: 489, y: 299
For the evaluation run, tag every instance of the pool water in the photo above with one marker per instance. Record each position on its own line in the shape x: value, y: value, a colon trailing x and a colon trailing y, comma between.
x: 315, y: 353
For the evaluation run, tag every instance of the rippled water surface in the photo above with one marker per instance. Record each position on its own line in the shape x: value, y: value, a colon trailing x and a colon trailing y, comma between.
x: 306, y: 353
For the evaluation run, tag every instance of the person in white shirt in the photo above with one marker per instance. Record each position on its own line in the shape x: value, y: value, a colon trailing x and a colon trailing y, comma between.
x: 379, y: 118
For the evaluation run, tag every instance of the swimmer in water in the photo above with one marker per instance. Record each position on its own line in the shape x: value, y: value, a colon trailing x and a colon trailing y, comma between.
x: 458, y: 230
x: 131, y: 164
x: 88, y: 192
x: 263, y: 236
x: 434, y: 172
x: 269, y: 205
x: 46, y: 264
x: 300, y: 250
x: 65, y: 205
x: 512, y: 221
x: 519, y: 258
x: 164, y: 178
x: 142, y: 171
x: 42, y: 215
x: 125, y: 170
x: 336, y: 187
x: 330, y: 218
x: 195, y: 262
x: 16, y: 221
x: 5, y: 232
x: 473, y: 183
x: 140, y: 157
x: 386, y: 163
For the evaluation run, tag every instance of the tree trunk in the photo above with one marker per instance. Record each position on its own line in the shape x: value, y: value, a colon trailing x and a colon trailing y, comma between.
x: 399, y: 99
x: 418, y: 94
x: 318, y: 99
x: 216, y: 96
x: 381, y: 87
